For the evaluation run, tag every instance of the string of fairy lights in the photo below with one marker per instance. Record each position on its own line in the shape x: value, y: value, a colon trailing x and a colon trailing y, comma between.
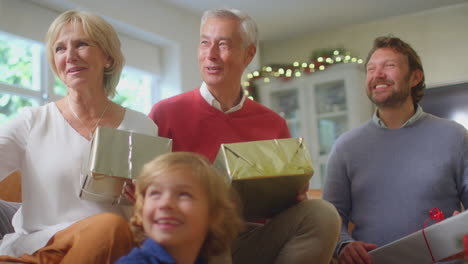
x: 319, y: 61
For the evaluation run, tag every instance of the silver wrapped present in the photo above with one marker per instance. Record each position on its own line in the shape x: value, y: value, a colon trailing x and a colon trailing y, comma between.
x: 267, y: 174
x: 115, y: 158
x: 442, y: 240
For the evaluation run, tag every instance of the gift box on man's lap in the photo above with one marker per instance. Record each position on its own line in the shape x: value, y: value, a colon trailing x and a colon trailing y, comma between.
x: 440, y: 239
x: 116, y: 157
x: 267, y: 174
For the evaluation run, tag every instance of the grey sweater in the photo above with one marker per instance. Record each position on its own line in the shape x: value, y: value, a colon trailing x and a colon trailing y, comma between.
x: 386, y: 181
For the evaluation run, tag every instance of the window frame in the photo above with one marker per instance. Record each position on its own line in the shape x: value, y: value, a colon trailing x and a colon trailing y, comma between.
x: 40, y: 75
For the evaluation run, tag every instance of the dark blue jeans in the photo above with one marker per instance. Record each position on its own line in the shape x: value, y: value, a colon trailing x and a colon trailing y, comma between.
x: 7, y: 210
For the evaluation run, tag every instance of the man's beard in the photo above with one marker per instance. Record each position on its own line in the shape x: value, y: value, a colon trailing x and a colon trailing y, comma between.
x: 396, y: 98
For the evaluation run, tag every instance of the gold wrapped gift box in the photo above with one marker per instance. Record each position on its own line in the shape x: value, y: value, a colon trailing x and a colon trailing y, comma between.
x: 116, y: 157
x: 267, y: 174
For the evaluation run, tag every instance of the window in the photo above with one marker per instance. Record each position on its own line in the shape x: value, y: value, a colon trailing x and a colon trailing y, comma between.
x: 20, y: 78
x: 135, y: 89
x: 25, y: 82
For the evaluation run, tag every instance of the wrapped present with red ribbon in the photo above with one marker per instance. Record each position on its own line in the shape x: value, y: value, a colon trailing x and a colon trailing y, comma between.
x: 431, y: 244
x: 465, y: 244
x: 437, y: 215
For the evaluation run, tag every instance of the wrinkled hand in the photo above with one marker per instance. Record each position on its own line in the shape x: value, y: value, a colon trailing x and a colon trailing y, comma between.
x: 302, y: 195
x: 129, y: 191
x: 356, y: 253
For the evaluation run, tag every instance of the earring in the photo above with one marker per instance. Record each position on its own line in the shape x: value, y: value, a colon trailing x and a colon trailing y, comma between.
x: 107, y: 65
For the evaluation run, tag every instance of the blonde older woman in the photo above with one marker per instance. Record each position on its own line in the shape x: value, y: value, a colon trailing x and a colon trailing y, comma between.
x: 47, y: 144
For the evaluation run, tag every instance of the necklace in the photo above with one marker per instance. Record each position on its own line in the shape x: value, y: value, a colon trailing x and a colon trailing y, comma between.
x: 81, y: 121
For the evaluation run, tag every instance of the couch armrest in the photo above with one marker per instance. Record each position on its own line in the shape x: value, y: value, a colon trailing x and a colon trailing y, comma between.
x: 10, y: 188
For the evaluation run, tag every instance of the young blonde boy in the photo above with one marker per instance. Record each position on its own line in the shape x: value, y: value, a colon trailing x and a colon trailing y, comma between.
x: 184, y: 212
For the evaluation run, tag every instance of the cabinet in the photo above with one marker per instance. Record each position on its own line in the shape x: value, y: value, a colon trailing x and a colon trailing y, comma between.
x: 319, y: 107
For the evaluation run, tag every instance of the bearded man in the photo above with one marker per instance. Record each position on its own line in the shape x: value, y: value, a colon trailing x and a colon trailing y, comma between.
x: 387, y: 174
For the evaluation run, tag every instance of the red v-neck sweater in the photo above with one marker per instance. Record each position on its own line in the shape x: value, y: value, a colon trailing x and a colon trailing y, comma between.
x: 196, y: 126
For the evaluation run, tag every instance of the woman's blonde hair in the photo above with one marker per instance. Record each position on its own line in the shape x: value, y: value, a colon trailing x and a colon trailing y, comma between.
x: 226, y: 222
x: 99, y: 31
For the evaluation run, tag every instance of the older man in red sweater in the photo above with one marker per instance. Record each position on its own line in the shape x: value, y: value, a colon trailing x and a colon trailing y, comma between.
x: 218, y: 112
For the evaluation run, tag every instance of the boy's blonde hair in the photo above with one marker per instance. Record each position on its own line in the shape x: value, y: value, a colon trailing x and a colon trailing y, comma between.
x: 226, y: 222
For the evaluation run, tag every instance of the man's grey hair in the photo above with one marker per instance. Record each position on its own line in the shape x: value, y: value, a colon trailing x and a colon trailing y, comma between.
x: 248, y: 25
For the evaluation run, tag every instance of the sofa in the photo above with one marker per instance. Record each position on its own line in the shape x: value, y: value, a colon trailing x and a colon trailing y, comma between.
x: 10, y: 201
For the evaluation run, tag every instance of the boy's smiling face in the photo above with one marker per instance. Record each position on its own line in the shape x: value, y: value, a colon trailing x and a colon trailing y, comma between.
x: 176, y: 210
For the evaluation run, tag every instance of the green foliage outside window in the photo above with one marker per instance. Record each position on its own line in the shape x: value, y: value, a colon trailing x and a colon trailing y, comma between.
x: 59, y: 87
x: 134, y: 90
x: 10, y: 105
x: 16, y: 63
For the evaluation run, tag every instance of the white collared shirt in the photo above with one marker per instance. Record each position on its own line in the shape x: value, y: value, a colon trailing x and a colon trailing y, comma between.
x: 417, y: 115
x: 211, y: 100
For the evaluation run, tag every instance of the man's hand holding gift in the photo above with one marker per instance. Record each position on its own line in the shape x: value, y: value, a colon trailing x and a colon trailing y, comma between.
x: 356, y: 253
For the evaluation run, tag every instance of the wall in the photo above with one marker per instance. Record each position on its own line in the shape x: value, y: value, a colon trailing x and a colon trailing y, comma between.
x: 173, y: 33
x: 440, y: 36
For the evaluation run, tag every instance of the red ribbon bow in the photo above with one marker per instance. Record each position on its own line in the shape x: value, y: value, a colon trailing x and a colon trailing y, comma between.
x: 437, y: 215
